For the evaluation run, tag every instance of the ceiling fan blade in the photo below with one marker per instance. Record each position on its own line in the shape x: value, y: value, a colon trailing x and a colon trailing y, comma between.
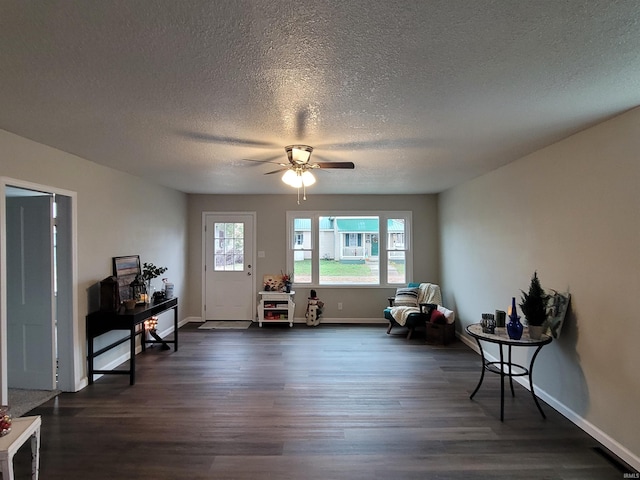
x: 277, y: 171
x: 379, y: 144
x: 227, y: 140
x: 347, y: 165
x: 266, y: 160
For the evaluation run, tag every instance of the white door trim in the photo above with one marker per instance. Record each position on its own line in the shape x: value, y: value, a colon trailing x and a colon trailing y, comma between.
x: 73, y: 365
x: 203, y: 255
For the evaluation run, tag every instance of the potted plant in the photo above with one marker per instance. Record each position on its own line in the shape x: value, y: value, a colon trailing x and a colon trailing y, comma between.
x: 534, y: 307
x: 149, y: 272
x: 287, y: 280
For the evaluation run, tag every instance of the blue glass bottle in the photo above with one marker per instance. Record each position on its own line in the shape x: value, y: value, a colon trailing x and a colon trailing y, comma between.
x: 514, y: 327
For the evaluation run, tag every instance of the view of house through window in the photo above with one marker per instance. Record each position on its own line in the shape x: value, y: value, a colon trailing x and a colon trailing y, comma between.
x: 349, y: 249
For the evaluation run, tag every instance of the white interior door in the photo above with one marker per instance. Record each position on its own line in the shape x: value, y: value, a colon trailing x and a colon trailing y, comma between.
x: 229, y: 259
x: 30, y: 295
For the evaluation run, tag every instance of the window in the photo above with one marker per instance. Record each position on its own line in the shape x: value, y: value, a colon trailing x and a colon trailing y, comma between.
x: 349, y: 249
x: 303, y: 251
x: 228, y: 246
x: 396, y: 250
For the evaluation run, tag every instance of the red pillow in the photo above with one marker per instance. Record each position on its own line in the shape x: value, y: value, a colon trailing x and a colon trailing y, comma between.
x: 438, y: 317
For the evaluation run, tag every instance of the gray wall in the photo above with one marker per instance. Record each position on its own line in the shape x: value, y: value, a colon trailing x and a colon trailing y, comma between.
x: 569, y: 211
x: 358, y: 303
x: 118, y: 214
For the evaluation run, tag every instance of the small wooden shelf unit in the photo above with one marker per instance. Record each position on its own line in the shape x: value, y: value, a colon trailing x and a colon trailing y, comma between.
x: 276, y: 307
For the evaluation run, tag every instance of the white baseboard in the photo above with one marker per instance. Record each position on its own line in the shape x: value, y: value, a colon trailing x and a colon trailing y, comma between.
x: 380, y: 321
x: 612, y: 445
x: 190, y: 320
x: 351, y: 321
x: 80, y: 384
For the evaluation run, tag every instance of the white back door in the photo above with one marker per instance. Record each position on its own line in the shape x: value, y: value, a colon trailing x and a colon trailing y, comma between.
x: 229, y: 259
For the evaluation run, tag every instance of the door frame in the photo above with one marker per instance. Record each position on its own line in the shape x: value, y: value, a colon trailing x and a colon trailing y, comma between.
x: 68, y: 330
x: 203, y: 256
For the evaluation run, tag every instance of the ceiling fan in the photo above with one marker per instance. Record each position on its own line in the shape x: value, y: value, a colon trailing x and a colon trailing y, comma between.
x: 298, y: 172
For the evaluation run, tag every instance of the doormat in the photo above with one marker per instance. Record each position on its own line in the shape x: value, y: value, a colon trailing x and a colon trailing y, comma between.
x: 23, y: 401
x: 224, y: 325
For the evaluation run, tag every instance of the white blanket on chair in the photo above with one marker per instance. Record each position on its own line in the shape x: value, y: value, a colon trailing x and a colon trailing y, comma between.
x: 427, y: 293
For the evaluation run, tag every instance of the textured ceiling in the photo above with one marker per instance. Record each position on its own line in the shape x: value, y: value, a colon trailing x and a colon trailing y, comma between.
x: 420, y: 95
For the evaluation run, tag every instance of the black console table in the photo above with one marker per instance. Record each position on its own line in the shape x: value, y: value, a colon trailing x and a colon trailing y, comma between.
x: 101, y: 322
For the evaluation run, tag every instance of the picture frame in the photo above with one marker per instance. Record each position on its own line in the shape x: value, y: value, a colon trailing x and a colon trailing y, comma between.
x: 273, y: 282
x: 557, y: 306
x: 125, y: 269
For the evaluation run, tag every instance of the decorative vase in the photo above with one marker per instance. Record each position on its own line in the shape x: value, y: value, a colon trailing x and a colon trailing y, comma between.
x: 514, y: 327
x: 151, y: 290
x: 287, y: 287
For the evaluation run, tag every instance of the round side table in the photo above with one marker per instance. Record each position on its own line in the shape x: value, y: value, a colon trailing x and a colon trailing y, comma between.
x: 507, y: 368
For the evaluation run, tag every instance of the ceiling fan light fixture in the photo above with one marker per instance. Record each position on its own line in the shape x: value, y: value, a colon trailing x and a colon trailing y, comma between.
x: 291, y: 178
x: 298, y: 175
x: 298, y: 154
x: 298, y: 178
x: 308, y: 178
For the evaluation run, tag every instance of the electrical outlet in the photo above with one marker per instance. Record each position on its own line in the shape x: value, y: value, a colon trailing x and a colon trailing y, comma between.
x: 339, y: 305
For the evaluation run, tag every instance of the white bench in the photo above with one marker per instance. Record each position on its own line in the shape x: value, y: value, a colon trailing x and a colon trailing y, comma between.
x: 22, y: 428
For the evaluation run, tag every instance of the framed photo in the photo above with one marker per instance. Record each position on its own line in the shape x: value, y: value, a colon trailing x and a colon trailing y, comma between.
x: 125, y: 270
x: 273, y: 282
x: 557, y: 307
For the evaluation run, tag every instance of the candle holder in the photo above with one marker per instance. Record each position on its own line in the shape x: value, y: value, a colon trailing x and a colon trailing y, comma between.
x: 488, y: 323
x: 139, y: 290
x: 151, y: 324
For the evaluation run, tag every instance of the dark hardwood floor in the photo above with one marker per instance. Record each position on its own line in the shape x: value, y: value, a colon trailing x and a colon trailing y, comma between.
x: 332, y: 402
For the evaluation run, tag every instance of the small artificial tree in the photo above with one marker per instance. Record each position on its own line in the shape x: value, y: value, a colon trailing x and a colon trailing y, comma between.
x: 534, y: 303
